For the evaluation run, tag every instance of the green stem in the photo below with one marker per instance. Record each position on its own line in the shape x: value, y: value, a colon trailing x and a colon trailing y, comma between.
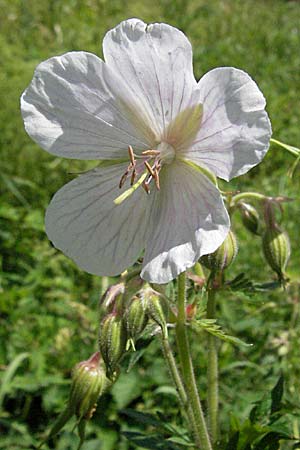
x: 172, y: 366
x: 187, y: 367
x: 212, y: 372
x: 247, y: 196
x: 293, y: 150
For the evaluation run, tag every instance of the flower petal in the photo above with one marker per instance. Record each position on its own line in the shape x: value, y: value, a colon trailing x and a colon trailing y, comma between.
x: 188, y: 220
x: 83, y: 221
x: 71, y: 110
x: 155, y: 62
x: 235, y: 129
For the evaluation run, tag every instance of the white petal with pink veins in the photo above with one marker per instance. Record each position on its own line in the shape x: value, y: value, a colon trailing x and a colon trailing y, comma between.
x: 188, y: 220
x: 155, y: 62
x: 235, y: 131
x: 101, y: 237
x: 71, y: 109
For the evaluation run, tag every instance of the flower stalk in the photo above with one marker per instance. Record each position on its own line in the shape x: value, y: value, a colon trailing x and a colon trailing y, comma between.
x: 187, y: 366
x: 176, y: 378
x: 212, y: 372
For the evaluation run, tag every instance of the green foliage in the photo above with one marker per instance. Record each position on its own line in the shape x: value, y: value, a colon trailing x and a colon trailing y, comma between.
x: 48, y: 307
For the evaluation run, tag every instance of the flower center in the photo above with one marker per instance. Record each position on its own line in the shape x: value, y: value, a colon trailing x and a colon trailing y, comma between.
x: 145, y: 168
x: 167, y: 153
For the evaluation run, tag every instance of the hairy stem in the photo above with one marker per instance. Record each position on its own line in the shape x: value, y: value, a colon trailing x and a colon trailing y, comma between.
x: 212, y: 372
x: 172, y: 366
x: 187, y: 367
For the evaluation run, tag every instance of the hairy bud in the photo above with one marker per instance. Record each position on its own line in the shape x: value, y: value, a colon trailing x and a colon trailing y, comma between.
x: 276, y: 248
x: 135, y: 319
x: 112, y: 341
x: 111, y: 299
x: 250, y: 218
x: 157, y: 308
x: 223, y: 256
x: 88, y: 383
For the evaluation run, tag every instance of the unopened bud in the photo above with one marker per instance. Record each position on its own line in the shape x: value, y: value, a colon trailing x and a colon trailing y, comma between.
x: 191, y: 311
x: 220, y: 259
x: 250, y: 218
x: 276, y: 248
x: 112, y: 341
x: 135, y: 318
x: 88, y: 383
x: 157, y: 308
x: 112, y: 298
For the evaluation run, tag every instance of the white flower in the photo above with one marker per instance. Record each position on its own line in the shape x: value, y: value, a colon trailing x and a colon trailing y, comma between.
x: 143, y: 97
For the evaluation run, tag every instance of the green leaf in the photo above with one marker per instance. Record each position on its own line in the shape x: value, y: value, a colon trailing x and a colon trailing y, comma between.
x: 143, y: 418
x: 210, y: 326
x: 276, y: 395
x: 9, y: 374
x: 153, y: 442
x: 179, y: 440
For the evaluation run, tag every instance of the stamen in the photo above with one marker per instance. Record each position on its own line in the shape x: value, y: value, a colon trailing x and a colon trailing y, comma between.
x: 151, y: 152
x: 123, y: 179
x: 131, y: 190
x: 146, y: 187
x: 149, y: 168
x: 156, y: 179
x: 133, y: 176
x: 131, y: 155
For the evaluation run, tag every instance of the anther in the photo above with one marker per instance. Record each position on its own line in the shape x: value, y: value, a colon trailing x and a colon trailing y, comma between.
x: 146, y: 187
x: 156, y: 179
x: 131, y: 155
x: 133, y: 176
x: 149, y: 168
x: 123, y: 179
x: 151, y: 152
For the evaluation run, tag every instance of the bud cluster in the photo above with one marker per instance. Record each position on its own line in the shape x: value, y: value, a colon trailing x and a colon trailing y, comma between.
x: 126, y: 320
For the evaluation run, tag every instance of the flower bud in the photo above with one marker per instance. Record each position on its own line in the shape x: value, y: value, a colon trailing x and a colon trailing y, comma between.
x: 88, y: 383
x: 220, y: 259
x: 250, y: 218
x: 276, y: 248
x: 157, y: 308
x: 112, y: 341
x: 135, y: 318
x: 112, y: 298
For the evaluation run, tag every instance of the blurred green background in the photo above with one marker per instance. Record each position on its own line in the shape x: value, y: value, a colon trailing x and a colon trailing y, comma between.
x: 48, y: 318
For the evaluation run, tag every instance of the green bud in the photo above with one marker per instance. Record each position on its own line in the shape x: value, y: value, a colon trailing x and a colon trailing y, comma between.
x: 135, y: 319
x: 157, y: 308
x: 250, y: 218
x: 220, y: 259
x: 112, y: 341
x: 88, y: 383
x: 276, y: 248
x: 112, y: 299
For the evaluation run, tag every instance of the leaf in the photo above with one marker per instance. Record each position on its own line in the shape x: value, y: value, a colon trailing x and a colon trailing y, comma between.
x: 127, y: 388
x: 9, y: 374
x: 143, y: 418
x: 179, y: 440
x: 153, y: 442
x: 270, y: 441
x: 276, y: 395
x: 233, y: 442
x: 211, y: 327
